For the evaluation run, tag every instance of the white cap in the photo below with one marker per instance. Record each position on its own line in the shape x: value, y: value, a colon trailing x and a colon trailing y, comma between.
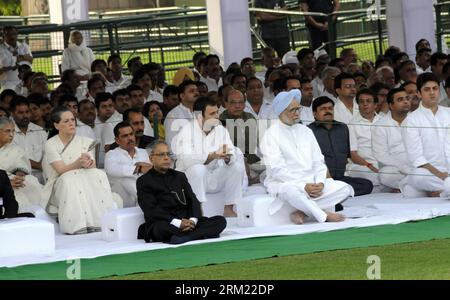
x: 290, y: 58
x: 319, y: 53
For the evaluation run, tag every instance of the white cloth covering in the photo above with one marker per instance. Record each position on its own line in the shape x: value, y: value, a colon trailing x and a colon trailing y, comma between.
x: 78, y: 58
x: 120, y: 166
x: 293, y: 159
x: 265, y: 112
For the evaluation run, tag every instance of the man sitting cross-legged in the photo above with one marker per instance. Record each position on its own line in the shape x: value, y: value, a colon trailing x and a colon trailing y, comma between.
x: 171, y: 209
x: 295, y: 166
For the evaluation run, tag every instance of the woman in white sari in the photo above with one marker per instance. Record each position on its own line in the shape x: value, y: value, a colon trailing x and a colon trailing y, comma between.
x: 77, y: 56
x: 76, y: 190
x: 27, y: 189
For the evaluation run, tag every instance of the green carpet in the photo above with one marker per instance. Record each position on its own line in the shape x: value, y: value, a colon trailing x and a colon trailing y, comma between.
x: 238, y: 250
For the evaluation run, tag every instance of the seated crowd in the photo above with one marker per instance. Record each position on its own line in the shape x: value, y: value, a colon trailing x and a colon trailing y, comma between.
x: 312, y: 131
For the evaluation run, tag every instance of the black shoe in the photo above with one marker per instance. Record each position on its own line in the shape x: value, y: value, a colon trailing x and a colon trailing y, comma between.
x: 338, y: 207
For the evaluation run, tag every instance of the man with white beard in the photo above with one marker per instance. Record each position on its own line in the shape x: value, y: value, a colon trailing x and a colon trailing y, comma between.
x: 296, y: 170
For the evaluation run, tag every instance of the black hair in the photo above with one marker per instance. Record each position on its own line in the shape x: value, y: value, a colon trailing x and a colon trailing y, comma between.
x: 55, y: 116
x: 97, y: 62
x: 437, y: 56
x: 67, y: 98
x: 423, y: 78
x: 112, y: 57
x: 202, y: 103
x: 321, y: 101
x: 366, y: 91
x: 338, y: 79
x: 7, y: 93
x: 102, y: 97
x: 126, y: 114
x: 131, y: 61
x: 391, y: 94
x: 121, y: 92
x: 303, y: 53
x: 182, y: 87
x: 94, y: 80
x: 120, y: 126
x: 170, y: 90
x: 18, y: 100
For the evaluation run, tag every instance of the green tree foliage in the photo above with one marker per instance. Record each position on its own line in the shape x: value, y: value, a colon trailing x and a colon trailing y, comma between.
x: 10, y: 8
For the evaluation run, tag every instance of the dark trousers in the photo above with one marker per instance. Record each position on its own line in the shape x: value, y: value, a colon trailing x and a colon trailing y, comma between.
x: 162, y: 231
x: 280, y: 45
x: 317, y: 38
x: 360, y: 185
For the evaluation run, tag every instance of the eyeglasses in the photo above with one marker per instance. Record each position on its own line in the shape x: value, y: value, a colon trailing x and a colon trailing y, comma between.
x: 163, y: 154
x: 295, y: 109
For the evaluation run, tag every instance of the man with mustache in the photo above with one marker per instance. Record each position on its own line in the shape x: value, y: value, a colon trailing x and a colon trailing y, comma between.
x: 28, y: 136
x: 334, y: 142
x: 126, y: 163
x: 86, y: 119
x: 135, y: 118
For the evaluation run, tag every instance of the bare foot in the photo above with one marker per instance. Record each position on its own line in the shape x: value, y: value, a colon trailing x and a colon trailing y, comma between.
x: 334, y: 217
x: 434, y: 194
x: 397, y: 191
x: 228, y: 212
x: 298, y: 217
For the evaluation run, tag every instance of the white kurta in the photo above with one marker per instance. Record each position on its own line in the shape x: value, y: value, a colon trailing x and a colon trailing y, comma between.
x: 318, y: 87
x: 265, y: 112
x: 179, y: 116
x: 12, y: 159
x: 293, y: 159
x: 79, y: 197
x: 361, y: 142
x: 212, y: 84
x: 78, y: 58
x: 342, y: 113
x: 120, y: 166
x: 192, y: 146
x: 10, y: 79
x: 306, y: 115
x: 425, y: 135
x: 388, y: 149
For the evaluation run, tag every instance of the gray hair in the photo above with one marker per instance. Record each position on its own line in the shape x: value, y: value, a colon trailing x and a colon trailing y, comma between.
x: 327, y: 71
x: 151, y: 148
x: 381, y: 69
x: 5, y: 121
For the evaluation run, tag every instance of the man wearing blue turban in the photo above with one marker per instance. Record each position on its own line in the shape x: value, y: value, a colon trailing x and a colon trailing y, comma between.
x: 296, y: 170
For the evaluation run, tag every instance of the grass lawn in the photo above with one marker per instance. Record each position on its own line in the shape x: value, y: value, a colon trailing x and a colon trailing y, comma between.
x: 424, y: 260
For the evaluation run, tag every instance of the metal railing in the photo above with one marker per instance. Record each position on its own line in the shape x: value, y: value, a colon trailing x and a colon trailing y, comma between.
x: 442, y: 11
x: 172, y: 35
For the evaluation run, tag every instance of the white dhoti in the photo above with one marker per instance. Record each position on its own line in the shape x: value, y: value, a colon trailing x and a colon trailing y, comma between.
x: 391, y: 177
x: 126, y: 188
x: 420, y: 181
x: 334, y: 192
x: 227, y: 179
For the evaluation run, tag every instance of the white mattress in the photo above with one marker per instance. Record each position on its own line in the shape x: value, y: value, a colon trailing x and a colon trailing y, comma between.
x: 365, y: 211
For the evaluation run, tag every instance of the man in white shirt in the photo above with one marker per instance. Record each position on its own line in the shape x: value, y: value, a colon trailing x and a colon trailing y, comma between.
x: 12, y: 54
x: 426, y: 140
x: 115, y: 65
x: 437, y: 62
x: 95, y: 85
x: 296, y: 171
x: 306, y: 115
x: 125, y: 164
x: 182, y: 113
x: 28, y: 136
x: 345, y: 107
x: 423, y: 60
x: 328, y: 75
x: 86, y: 120
x: 207, y: 155
x: 214, y: 74
x: 256, y: 104
x: 363, y: 163
x: 387, y: 144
